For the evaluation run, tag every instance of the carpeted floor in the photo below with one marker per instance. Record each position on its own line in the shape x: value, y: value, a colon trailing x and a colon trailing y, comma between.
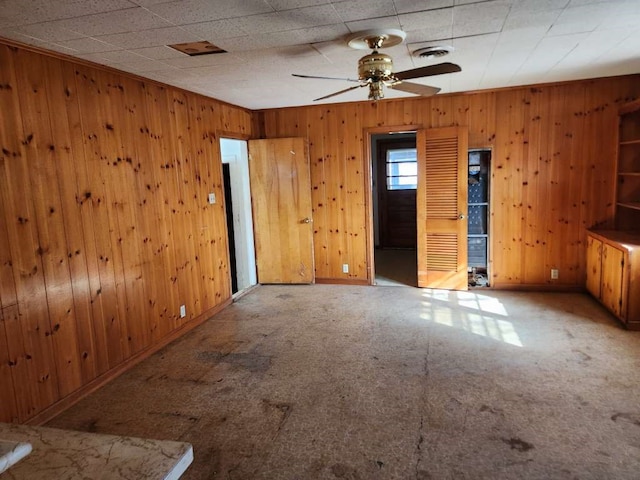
x: 342, y: 382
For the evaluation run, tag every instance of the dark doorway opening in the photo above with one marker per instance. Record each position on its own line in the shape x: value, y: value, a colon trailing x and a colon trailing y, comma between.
x: 226, y: 176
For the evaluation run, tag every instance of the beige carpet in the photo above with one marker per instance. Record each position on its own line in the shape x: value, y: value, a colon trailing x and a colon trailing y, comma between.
x: 341, y: 382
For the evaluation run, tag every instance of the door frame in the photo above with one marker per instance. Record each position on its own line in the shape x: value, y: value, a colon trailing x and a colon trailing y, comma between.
x: 368, y: 133
x: 219, y: 135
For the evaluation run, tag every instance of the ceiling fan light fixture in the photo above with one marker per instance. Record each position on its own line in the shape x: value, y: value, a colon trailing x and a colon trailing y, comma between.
x: 376, y: 92
x: 376, y: 65
x: 433, y: 51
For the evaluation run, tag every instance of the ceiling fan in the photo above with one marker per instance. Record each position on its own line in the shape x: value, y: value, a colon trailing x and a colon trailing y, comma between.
x: 376, y: 69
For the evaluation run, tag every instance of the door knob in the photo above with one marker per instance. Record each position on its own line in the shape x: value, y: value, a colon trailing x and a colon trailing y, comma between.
x: 306, y: 220
x: 461, y: 216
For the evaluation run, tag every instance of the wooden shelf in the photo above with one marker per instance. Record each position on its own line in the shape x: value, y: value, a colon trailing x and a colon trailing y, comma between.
x: 627, y: 214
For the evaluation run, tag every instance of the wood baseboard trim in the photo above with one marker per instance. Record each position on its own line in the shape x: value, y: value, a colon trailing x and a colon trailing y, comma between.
x: 538, y: 288
x: 341, y: 281
x: 73, y: 398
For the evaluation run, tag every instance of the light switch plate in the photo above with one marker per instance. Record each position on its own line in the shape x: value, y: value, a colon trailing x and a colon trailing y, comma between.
x: 212, y: 198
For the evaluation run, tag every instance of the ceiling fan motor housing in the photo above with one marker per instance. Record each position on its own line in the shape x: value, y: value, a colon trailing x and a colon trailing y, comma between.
x: 375, y: 66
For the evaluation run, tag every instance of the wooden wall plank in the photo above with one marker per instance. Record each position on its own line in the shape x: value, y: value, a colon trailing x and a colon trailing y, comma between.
x: 105, y: 226
x: 44, y: 155
x: 519, y: 125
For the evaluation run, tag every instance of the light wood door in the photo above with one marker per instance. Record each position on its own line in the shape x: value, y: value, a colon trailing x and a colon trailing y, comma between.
x: 281, y: 200
x: 594, y: 266
x: 441, y: 208
x: 612, y: 279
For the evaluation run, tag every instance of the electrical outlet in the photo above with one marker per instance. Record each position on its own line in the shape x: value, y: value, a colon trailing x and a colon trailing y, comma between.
x: 554, y: 274
x: 212, y: 198
x: 183, y: 311
x: 345, y: 268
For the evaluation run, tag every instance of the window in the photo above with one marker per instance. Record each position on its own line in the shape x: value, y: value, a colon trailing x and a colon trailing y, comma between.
x: 402, y: 169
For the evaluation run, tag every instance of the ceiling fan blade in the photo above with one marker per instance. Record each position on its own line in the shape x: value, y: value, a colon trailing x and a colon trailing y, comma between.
x: 428, y: 71
x: 325, y: 78
x: 415, y: 88
x: 341, y: 91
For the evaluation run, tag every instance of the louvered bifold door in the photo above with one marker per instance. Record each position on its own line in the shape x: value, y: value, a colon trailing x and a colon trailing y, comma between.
x: 442, y: 208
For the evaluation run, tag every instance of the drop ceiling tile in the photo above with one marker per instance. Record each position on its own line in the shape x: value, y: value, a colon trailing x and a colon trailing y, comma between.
x: 409, y: 6
x: 466, y: 2
x: 59, y: 48
x: 472, y: 29
x: 87, y: 45
x: 48, y: 32
x: 480, y: 18
x: 38, y: 11
x: 150, y: 38
x: 538, y: 5
x: 138, y: 66
x: 148, y: 3
x: 426, y: 20
x: 549, y: 52
x: 373, y: 23
x: 240, y: 44
x: 428, y: 36
x: 25, y: 39
x: 580, y: 19
x: 203, y: 60
x: 158, y: 53
x: 215, y: 29
x: 350, y: 10
x: 514, y: 40
x: 182, y: 12
x: 519, y: 19
x: 91, y: 57
x: 290, y: 4
x: 578, y: 3
x: 122, y: 56
x: 290, y: 20
x: 129, y: 20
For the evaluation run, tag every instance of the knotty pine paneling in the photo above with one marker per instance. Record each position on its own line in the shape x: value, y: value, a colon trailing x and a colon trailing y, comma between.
x: 552, y: 171
x: 105, y: 229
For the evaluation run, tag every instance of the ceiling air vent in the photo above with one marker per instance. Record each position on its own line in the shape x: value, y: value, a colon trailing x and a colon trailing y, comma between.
x: 436, y: 51
x: 197, y: 48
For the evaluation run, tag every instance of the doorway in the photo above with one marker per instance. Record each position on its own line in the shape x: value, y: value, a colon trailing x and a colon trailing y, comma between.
x: 394, y: 182
x: 237, y: 190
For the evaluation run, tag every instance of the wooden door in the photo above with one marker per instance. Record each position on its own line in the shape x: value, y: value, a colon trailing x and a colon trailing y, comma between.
x: 442, y: 208
x: 612, y: 279
x: 281, y: 200
x: 594, y: 266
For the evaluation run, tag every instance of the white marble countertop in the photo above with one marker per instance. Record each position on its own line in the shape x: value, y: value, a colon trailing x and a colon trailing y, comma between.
x: 69, y: 455
x: 12, y: 452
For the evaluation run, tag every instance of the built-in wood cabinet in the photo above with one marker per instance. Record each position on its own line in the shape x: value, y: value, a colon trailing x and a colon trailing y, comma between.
x: 628, y: 182
x: 613, y: 273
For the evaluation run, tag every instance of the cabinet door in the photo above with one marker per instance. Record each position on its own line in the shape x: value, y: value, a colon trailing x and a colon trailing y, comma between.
x: 594, y: 267
x: 612, y: 279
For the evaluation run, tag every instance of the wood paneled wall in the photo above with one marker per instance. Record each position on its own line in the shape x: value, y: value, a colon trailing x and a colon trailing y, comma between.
x: 552, y: 171
x: 105, y: 229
